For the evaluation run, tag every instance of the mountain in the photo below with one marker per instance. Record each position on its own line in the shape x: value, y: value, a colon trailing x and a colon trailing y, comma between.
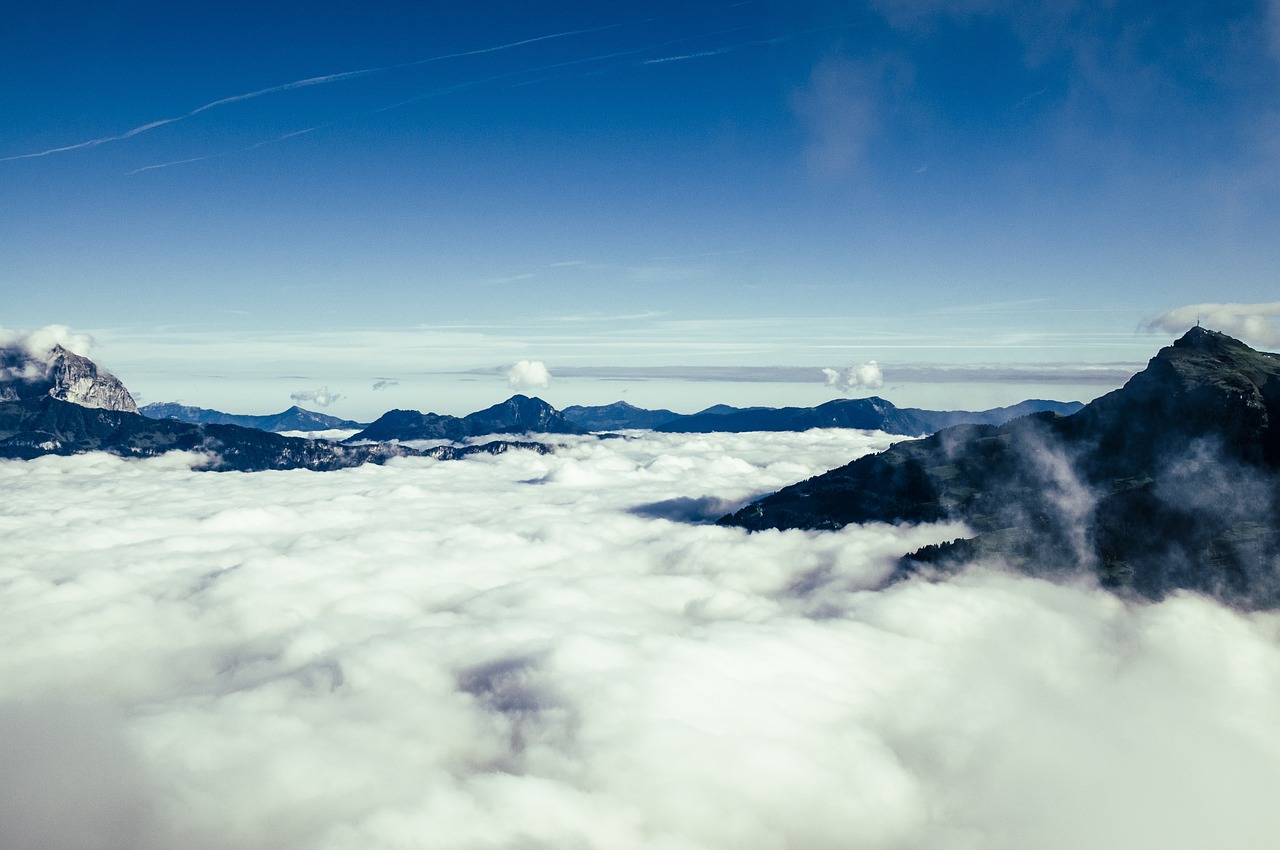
x: 413, y: 425
x: 936, y: 420
x: 618, y: 415
x: 871, y: 413
x: 517, y: 415
x: 34, y: 427
x: 62, y: 403
x: 293, y: 419
x: 1171, y: 482
x: 520, y: 415
x: 63, y: 375
x: 720, y: 409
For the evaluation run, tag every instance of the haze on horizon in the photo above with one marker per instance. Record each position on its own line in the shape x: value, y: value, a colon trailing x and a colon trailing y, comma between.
x: 243, y: 202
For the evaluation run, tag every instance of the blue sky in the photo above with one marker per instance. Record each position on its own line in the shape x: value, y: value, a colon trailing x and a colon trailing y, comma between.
x: 611, y: 188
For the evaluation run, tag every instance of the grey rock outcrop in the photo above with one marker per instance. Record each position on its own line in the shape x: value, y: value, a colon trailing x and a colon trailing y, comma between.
x: 79, y: 380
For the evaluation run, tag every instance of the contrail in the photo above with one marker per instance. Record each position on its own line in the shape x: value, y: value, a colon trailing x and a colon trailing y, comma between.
x: 717, y: 51
x: 457, y: 87
x: 297, y: 84
x: 254, y: 146
x: 475, y: 83
x: 555, y: 66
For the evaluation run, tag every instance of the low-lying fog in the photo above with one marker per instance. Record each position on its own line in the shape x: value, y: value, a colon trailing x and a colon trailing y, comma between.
x: 529, y: 651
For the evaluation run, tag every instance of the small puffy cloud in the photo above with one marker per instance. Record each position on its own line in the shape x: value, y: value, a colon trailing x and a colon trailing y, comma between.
x: 856, y: 378
x: 528, y: 374
x: 1255, y: 324
x: 384, y: 384
x: 322, y: 397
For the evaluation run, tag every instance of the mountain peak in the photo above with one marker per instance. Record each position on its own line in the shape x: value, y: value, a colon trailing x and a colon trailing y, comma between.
x: 1171, y: 482
x: 79, y: 380
x: 1204, y: 338
x: 61, y: 374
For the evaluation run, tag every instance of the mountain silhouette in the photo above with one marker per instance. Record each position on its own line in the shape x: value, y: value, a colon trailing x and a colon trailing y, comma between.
x: 1170, y: 482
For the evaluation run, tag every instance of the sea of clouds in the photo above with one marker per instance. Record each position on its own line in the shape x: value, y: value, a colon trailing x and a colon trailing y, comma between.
x: 528, y: 651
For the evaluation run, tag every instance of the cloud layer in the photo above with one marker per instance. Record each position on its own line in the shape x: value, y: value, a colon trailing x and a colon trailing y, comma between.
x: 505, y: 652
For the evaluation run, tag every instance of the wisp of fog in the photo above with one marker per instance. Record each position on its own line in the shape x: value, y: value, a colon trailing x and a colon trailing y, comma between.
x: 551, y: 651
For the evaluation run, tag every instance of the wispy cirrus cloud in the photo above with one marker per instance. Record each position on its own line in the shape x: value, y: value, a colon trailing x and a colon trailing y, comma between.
x: 306, y: 82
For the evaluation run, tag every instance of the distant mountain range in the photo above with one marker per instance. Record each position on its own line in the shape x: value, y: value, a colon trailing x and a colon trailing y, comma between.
x: 65, y: 404
x: 293, y: 419
x: 1171, y: 482
x: 521, y: 414
x: 866, y: 413
x: 30, y: 428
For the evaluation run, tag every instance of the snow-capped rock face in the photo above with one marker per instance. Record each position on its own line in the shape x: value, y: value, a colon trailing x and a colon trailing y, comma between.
x: 79, y: 380
x: 64, y: 375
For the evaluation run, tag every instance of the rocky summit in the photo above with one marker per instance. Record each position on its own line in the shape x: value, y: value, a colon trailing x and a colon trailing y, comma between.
x: 63, y: 375
x: 1171, y: 482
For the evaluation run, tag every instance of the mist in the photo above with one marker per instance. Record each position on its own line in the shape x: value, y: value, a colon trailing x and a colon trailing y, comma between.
x: 557, y: 651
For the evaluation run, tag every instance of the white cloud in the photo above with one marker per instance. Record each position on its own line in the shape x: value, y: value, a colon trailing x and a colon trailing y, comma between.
x: 25, y: 355
x: 838, y: 109
x: 322, y: 397
x: 500, y: 652
x: 866, y: 376
x: 528, y: 374
x: 1255, y: 324
x: 383, y: 384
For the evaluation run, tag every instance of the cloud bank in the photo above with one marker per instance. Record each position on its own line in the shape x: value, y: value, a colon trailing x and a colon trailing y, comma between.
x: 504, y: 652
x: 528, y: 374
x: 1256, y: 324
x: 855, y: 378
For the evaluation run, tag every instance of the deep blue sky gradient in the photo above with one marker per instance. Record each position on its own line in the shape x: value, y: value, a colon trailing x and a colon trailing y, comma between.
x: 996, y: 181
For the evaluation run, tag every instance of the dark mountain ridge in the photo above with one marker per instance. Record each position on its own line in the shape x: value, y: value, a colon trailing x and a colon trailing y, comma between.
x: 1171, y: 482
x: 616, y: 416
x: 30, y: 428
x: 293, y: 419
x: 519, y: 414
x: 871, y: 413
